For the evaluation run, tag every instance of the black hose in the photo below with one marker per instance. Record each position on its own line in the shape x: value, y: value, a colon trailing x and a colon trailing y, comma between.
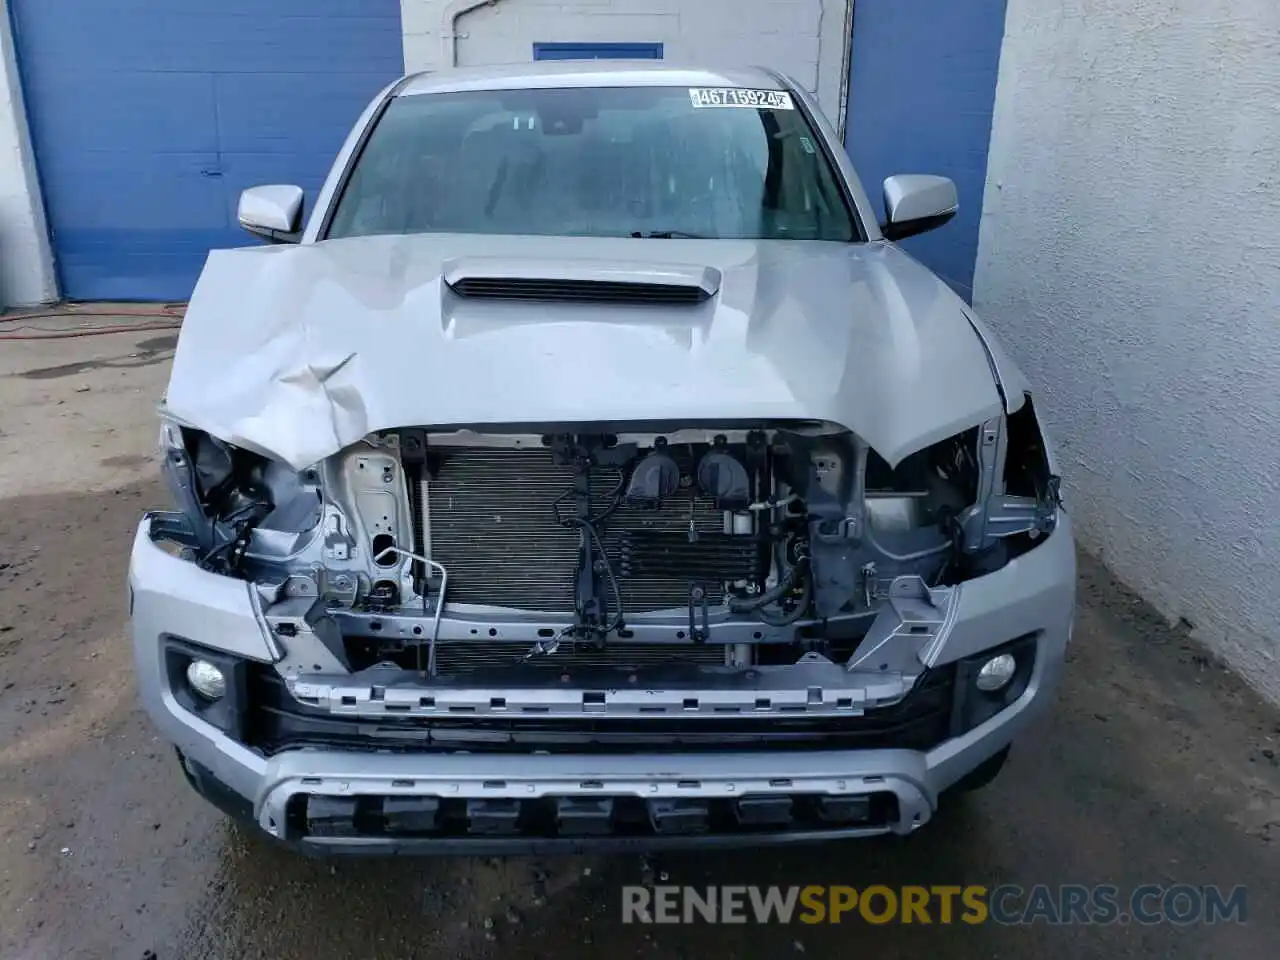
x: 218, y: 554
x: 589, y: 525
x: 773, y: 595
x: 615, y: 498
x: 619, y: 617
x: 798, y: 611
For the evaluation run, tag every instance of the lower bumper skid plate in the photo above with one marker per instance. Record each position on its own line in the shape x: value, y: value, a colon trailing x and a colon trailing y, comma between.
x: 321, y: 818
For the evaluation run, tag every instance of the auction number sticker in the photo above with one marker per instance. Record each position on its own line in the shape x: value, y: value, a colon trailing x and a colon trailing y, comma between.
x: 738, y: 97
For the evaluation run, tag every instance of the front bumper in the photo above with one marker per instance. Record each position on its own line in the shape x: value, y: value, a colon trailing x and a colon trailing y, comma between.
x: 688, y: 798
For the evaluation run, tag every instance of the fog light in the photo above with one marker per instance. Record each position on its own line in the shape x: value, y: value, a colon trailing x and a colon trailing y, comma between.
x: 207, y: 680
x: 996, y: 673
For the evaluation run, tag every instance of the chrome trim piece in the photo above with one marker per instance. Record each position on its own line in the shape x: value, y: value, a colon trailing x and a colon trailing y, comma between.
x: 665, y: 776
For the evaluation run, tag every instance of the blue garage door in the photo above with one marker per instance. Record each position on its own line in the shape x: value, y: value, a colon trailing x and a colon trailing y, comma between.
x: 921, y: 89
x: 150, y: 116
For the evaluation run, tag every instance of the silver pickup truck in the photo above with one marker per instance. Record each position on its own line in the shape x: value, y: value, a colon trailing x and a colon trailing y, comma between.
x: 592, y: 470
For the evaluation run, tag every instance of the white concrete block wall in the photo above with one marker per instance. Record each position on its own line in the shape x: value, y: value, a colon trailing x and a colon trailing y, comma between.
x: 1130, y: 258
x: 804, y: 38
x: 26, y: 262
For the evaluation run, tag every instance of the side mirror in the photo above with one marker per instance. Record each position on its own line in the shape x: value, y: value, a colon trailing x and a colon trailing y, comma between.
x: 917, y: 202
x: 272, y: 212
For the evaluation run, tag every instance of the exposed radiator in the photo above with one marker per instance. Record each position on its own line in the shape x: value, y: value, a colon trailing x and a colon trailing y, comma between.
x: 491, y: 521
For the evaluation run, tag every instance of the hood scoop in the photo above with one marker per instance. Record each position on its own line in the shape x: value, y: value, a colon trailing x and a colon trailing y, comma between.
x: 586, y: 281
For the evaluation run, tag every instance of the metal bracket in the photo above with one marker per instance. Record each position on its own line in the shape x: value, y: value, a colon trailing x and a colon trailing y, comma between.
x: 337, y: 541
x: 307, y: 638
x: 439, y: 605
x: 996, y: 515
x: 990, y: 455
x: 910, y: 628
x: 698, y: 632
x: 1007, y: 516
x: 846, y: 528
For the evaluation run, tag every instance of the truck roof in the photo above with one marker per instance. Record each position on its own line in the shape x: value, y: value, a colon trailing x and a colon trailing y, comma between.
x: 587, y: 73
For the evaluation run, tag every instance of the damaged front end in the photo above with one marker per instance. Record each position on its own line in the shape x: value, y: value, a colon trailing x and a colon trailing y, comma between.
x: 606, y: 585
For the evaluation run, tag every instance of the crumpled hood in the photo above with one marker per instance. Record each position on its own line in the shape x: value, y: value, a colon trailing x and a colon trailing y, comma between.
x: 299, y: 351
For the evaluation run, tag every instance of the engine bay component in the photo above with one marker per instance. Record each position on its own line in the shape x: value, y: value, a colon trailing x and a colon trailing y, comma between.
x: 239, y: 504
x: 790, y: 527
x: 655, y: 478
x: 500, y: 520
x: 723, y: 478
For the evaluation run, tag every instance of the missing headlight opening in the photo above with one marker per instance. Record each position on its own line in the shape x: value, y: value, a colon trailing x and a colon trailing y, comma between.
x: 236, y: 502
x: 734, y: 546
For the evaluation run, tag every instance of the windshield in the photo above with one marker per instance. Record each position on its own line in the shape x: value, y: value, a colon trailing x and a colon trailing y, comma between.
x: 596, y: 162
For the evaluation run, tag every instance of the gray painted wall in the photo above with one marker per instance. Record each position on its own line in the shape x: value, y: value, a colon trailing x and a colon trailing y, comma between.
x: 26, y: 263
x: 1130, y: 259
x: 805, y: 38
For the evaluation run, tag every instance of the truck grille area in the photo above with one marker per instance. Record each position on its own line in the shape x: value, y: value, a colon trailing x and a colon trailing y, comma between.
x: 457, y: 658
x: 491, y: 521
x: 279, y: 722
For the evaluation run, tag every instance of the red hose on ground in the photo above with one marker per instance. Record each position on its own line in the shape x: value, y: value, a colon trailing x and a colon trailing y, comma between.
x: 170, y: 315
x: 91, y: 331
x: 171, y: 310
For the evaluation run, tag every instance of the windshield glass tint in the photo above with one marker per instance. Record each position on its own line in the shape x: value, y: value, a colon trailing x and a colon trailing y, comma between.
x: 595, y: 162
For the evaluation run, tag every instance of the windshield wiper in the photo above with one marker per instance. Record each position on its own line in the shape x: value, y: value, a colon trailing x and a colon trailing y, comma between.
x: 667, y: 235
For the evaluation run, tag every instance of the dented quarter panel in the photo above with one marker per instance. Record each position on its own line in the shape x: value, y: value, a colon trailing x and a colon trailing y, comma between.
x: 298, y: 351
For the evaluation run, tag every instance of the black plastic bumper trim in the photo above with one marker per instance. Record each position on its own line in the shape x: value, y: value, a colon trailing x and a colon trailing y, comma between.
x: 538, y: 846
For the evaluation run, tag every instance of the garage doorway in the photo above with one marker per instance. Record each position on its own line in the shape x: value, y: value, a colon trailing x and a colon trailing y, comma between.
x: 597, y: 51
x: 149, y: 117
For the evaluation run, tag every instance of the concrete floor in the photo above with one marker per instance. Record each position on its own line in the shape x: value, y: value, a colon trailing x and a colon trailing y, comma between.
x: 1154, y: 767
